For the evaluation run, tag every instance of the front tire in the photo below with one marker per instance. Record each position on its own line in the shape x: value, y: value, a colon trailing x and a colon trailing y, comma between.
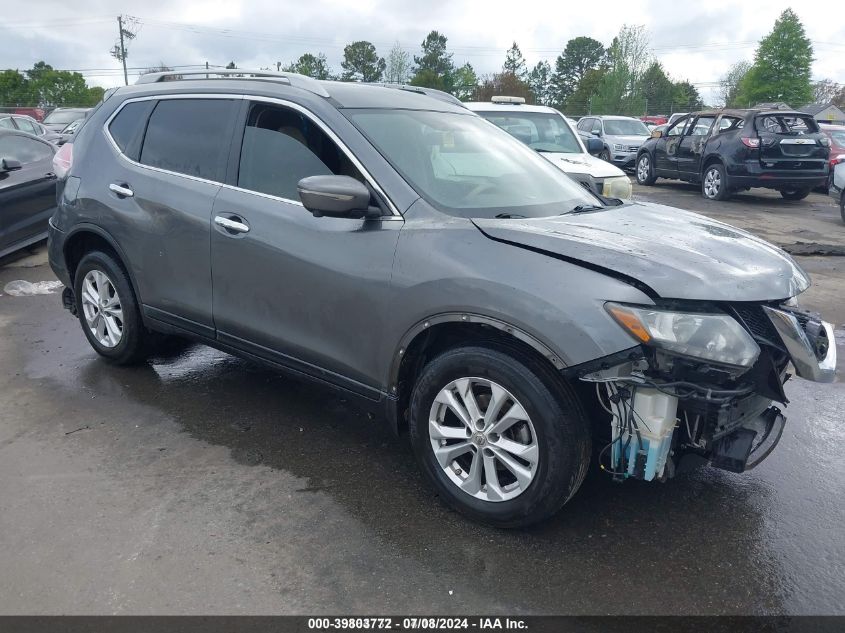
x: 108, y: 311
x: 604, y: 155
x: 645, y: 170
x: 498, y: 436
x: 794, y: 194
x: 842, y: 206
x: 714, y: 184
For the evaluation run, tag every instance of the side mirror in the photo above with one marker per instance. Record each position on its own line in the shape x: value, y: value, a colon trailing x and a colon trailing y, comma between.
x: 9, y: 164
x: 656, y: 133
x: 594, y: 145
x: 336, y: 196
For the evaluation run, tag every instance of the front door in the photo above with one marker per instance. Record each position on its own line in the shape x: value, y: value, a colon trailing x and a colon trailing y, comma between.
x: 310, y: 293
x: 665, y: 154
x: 691, y: 147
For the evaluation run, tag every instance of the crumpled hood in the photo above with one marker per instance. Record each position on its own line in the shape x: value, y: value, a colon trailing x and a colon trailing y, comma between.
x: 582, y: 164
x: 678, y: 254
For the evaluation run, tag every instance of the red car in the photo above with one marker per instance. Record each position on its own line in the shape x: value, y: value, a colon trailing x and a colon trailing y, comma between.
x: 836, y: 134
x: 35, y: 113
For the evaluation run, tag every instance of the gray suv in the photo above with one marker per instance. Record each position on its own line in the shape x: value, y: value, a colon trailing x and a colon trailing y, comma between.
x: 622, y: 137
x: 386, y: 242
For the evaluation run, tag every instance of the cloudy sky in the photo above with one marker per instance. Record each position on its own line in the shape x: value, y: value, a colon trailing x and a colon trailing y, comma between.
x: 696, y: 41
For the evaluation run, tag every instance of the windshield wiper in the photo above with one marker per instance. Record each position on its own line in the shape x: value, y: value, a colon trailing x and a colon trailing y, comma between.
x: 585, y: 207
x: 508, y: 216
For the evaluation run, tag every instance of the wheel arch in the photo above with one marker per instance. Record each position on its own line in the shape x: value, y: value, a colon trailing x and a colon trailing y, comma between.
x: 84, y: 238
x: 444, y: 331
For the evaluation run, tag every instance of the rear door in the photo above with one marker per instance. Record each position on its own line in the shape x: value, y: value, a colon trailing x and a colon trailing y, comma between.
x: 790, y: 141
x: 691, y: 146
x: 27, y: 195
x: 299, y: 290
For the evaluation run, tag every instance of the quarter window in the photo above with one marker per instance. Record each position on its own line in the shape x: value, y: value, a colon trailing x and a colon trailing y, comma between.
x: 281, y: 147
x: 7, y: 123
x: 127, y: 128
x: 23, y: 149
x: 189, y: 136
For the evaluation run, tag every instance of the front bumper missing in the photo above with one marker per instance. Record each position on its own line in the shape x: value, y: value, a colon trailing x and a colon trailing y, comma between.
x: 738, y: 452
x: 819, y: 367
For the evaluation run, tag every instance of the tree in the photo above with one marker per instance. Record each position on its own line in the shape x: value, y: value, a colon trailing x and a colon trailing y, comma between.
x: 504, y: 83
x: 362, y: 63
x: 464, y: 82
x: 729, y: 84
x: 16, y: 89
x: 434, y: 68
x: 657, y: 89
x: 828, y: 91
x: 580, y: 102
x: 686, y: 97
x: 580, y: 55
x: 315, y: 66
x: 515, y: 63
x: 539, y: 80
x: 781, y: 70
x: 398, y: 69
x: 627, y: 59
x: 231, y: 66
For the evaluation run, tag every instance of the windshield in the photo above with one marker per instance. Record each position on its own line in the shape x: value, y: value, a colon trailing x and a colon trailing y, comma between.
x: 543, y: 131
x: 625, y: 127
x: 63, y: 116
x: 463, y: 165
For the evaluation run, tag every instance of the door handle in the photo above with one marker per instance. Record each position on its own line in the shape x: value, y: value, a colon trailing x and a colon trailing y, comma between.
x: 50, y: 175
x: 231, y: 225
x: 121, y: 190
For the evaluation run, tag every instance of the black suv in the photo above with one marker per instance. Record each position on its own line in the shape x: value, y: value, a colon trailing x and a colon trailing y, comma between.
x: 729, y: 150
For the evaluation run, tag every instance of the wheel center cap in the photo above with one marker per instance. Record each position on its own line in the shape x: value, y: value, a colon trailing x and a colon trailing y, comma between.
x: 478, y: 439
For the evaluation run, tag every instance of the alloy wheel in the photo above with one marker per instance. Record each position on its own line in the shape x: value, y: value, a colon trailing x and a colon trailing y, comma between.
x: 643, y: 168
x: 102, y: 309
x: 483, y: 439
x: 712, y: 183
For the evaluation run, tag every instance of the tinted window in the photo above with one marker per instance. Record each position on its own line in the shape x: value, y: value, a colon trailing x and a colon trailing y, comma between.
x: 25, y: 150
x: 26, y: 125
x: 281, y: 147
x: 189, y: 136
x: 127, y: 128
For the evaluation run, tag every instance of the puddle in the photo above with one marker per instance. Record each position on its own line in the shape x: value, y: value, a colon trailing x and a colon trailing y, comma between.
x: 21, y: 288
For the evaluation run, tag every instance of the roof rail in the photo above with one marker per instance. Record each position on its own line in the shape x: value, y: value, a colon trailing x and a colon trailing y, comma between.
x: 430, y: 92
x: 291, y: 79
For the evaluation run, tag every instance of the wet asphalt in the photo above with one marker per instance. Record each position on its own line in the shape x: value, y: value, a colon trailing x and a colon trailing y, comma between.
x: 199, y: 483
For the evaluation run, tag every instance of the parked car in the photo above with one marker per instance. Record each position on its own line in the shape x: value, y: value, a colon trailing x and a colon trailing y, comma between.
x: 387, y: 242
x: 548, y: 132
x: 59, y: 118
x: 837, y: 187
x: 622, y: 137
x: 69, y: 130
x: 675, y: 116
x: 729, y: 150
x: 27, y: 189
x: 30, y: 126
x: 836, y: 135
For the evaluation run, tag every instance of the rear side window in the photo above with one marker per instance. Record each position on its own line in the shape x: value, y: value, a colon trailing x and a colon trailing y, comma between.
x: 127, y: 128
x: 26, y: 126
x: 189, y: 136
x: 25, y: 150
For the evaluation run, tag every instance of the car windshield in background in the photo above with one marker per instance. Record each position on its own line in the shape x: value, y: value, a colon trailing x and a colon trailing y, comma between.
x: 838, y: 137
x: 464, y: 166
x: 542, y: 131
x: 623, y: 127
x: 782, y: 124
x: 68, y: 116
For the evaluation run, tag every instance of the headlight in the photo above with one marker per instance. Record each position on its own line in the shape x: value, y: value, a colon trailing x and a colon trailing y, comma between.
x: 714, y: 337
x: 618, y: 147
x: 617, y: 187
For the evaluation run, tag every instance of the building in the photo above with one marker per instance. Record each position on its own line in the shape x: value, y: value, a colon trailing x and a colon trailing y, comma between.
x: 825, y: 113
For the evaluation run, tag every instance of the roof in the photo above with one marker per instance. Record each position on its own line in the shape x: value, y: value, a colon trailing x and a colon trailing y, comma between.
x: 815, y: 108
x: 489, y: 106
x: 772, y: 105
x: 269, y: 83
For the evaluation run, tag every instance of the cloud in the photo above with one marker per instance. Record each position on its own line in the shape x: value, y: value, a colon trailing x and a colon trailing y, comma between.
x: 694, y: 41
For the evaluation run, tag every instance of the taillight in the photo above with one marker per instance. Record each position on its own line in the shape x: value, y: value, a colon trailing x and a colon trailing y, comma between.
x: 63, y: 160
x: 750, y: 142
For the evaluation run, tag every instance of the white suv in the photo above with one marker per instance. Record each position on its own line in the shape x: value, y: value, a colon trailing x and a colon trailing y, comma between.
x: 548, y: 131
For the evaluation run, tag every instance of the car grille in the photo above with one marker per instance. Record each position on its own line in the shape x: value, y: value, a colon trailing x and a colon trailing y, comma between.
x: 756, y: 321
x: 632, y: 148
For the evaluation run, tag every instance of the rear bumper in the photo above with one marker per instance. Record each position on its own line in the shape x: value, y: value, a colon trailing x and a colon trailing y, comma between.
x: 55, y: 253
x: 752, y: 174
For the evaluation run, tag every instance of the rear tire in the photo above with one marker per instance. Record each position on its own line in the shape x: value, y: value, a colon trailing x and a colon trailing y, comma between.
x: 714, y: 184
x: 484, y: 475
x: 645, y: 170
x: 794, y: 194
x: 108, y: 311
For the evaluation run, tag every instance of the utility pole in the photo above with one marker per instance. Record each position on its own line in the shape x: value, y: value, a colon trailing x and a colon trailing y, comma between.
x: 122, y: 49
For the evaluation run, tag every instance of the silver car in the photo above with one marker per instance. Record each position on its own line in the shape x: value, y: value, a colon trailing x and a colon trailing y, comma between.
x: 622, y: 137
x: 837, y: 187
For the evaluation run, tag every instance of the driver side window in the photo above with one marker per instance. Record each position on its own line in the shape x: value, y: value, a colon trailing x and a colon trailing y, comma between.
x: 678, y: 128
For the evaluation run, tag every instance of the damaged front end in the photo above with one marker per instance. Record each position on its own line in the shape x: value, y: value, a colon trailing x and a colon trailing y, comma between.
x: 701, y: 385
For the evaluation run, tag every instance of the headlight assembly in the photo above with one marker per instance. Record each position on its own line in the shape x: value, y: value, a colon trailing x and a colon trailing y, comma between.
x: 708, y: 336
x: 617, y: 187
